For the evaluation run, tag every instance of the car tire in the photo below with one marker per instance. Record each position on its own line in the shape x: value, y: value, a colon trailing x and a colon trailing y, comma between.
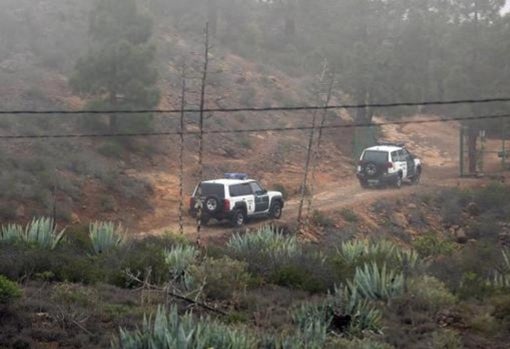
x: 211, y: 204
x: 276, y: 210
x: 238, y: 218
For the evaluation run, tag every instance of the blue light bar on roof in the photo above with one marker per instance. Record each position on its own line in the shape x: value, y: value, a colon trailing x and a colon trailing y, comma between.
x: 236, y: 175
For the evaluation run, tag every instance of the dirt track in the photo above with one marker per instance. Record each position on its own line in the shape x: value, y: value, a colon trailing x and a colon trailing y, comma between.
x: 435, y: 144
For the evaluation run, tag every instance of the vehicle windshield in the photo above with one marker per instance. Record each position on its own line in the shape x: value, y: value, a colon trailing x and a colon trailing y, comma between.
x: 212, y: 189
x: 375, y: 156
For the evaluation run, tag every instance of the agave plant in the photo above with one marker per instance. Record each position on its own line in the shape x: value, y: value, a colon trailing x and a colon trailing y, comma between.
x: 180, y: 258
x: 313, y: 322
x: 267, y: 240
x: 363, y: 315
x: 376, y: 283
x: 105, y: 236
x: 11, y: 233
x: 172, y: 331
x: 42, y: 232
x: 501, y: 277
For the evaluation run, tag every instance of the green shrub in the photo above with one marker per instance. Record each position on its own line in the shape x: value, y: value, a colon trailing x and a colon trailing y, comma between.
x: 223, y: 277
x: 430, y: 245
x: 320, y: 219
x: 142, y: 257
x: 446, y: 339
x: 9, y: 291
x: 105, y: 236
x: 349, y: 215
x: 430, y: 294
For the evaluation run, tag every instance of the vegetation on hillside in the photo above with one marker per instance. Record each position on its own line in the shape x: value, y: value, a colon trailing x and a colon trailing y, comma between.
x: 268, y: 289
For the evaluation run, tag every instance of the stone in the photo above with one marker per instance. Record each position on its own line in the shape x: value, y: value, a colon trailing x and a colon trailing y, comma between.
x: 460, y: 236
x: 399, y: 219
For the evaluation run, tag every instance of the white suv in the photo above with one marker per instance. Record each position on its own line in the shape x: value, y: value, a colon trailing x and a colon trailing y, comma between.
x: 235, y: 198
x: 388, y: 164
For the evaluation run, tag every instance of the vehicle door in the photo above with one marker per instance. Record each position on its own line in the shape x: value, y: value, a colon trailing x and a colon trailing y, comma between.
x: 243, y: 193
x: 409, y: 163
x: 402, y: 163
x: 261, y: 197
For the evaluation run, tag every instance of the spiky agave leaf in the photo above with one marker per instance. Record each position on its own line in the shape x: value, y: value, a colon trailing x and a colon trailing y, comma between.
x: 42, y: 232
x: 11, y: 233
x: 105, y: 236
x: 180, y: 258
x: 267, y: 240
x: 377, y: 283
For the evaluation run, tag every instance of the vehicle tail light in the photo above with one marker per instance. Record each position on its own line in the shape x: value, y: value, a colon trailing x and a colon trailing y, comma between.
x: 360, y: 162
x: 389, y: 165
x: 226, y: 205
x: 191, y: 202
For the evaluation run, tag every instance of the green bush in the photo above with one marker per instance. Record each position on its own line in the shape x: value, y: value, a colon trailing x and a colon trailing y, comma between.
x: 9, y: 291
x: 349, y: 215
x: 223, y: 277
x: 446, y: 339
x: 430, y: 294
x: 430, y: 245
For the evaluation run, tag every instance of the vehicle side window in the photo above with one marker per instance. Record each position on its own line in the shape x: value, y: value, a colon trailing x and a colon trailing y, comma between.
x: 255, y: 187
x: 235, y: 190
x: 246, y: 189
x: 394, y: 156
x: 401, y: 156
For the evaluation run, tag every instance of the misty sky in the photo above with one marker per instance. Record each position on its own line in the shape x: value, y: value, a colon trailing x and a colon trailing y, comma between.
x: 507, y: 6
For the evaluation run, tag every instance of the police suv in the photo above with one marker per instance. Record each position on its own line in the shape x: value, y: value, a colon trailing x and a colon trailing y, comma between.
x: 235, y: 198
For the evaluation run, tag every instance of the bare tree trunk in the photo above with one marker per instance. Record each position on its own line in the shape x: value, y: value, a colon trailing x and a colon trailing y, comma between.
x: 201, y: 134
x: 310, y: 147
x: 181, y: 152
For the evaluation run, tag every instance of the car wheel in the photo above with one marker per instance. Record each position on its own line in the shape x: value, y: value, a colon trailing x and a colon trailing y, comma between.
x: 276, y: 210
x: 417, y: 177
x: 239, y: 218
x: 211, y: 204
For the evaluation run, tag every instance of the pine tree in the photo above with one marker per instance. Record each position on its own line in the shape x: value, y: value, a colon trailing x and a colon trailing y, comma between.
x: 118, y: 72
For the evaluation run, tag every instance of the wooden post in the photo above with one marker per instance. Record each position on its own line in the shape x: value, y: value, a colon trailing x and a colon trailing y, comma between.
x: 461, y: 151
x: 181, y: 151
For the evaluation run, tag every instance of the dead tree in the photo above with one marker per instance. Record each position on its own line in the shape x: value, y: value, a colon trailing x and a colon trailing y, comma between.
x: 201, y: 133
x: 317, y: 155
x: 181, y: 150
x: 309, y: 150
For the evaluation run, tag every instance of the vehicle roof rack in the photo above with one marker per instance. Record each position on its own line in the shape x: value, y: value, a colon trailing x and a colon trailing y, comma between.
x: 396, y: 144
x: 236, y: 175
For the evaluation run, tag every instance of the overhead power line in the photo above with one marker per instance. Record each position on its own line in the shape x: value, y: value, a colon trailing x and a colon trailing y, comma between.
x: 253, y: 130
x: 255, y: 110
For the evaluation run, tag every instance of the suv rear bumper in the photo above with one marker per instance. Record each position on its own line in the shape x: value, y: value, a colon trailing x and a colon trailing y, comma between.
x: 387, y: 178
x: 193, y: 212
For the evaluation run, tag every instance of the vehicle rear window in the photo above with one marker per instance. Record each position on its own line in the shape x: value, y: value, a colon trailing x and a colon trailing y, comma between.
x: 375, y: 156
x: 212, y: 189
